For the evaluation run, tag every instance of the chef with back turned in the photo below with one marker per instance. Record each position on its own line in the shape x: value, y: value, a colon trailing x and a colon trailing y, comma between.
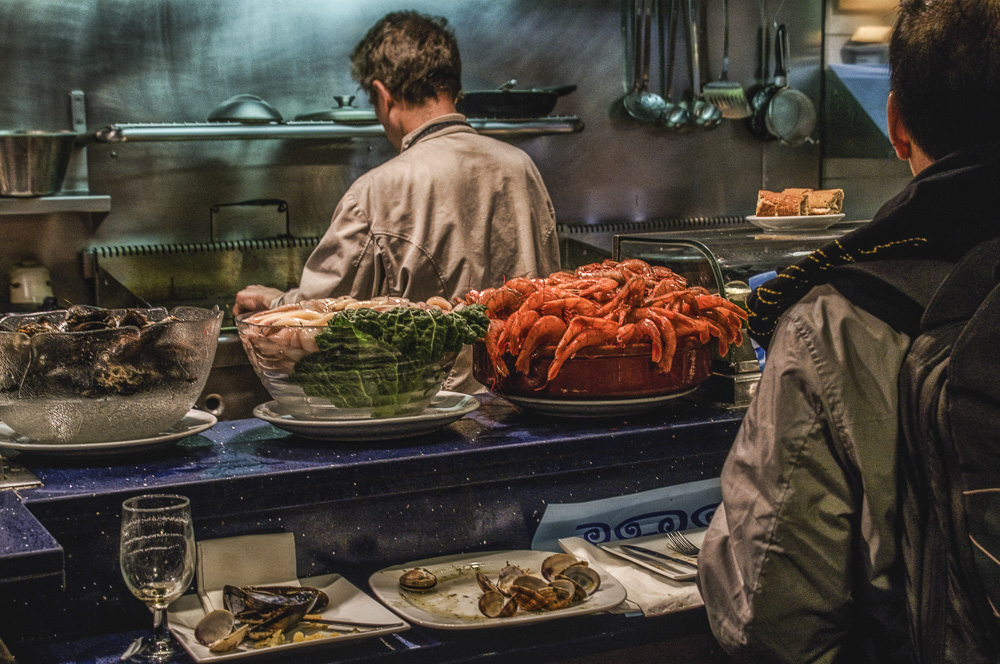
x: 452, y: 212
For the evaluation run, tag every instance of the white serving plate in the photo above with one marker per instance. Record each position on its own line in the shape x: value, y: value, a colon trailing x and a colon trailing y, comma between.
x: 195, y: 421
x: 592, y: 407
x: 813, y: 222
x: 443, y: 410
x: 453, y: 603
x: 347, y: 602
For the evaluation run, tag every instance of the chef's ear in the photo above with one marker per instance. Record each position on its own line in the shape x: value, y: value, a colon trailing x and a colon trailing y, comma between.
x: 898, y: 134
x: 382, y: 95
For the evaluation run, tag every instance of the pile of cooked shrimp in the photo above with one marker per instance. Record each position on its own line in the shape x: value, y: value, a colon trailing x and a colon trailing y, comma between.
x: 609, y: 303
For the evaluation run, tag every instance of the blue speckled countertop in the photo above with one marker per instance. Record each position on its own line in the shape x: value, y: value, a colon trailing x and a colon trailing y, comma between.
x: 481, y: 483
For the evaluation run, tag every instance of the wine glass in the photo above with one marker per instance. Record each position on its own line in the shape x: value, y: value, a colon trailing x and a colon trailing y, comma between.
x: 157, y: 560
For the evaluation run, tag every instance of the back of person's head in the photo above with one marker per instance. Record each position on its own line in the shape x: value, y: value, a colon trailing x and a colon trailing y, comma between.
x: 944, y: 57
x: 414, y: 55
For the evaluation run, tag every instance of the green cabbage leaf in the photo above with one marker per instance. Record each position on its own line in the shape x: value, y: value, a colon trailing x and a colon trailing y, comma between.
x: 380, y: 359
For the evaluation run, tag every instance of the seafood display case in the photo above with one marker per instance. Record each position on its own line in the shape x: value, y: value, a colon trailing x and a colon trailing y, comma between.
x: 724, y: 260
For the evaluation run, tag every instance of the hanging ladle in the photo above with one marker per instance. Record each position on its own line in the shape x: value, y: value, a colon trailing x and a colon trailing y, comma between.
x: 675, y: 116
x: 641, y: 104
x: 704, y: 114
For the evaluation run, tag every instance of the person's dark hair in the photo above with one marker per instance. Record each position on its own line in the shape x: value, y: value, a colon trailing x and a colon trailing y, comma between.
x: 944, y: 57
x: 414, y: 55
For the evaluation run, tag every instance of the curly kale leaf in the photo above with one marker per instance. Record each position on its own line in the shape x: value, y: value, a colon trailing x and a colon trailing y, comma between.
x: 368, y: 358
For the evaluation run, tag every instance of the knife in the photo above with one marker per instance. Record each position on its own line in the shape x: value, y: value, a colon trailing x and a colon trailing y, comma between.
x: 674, y: 574
x: 656, y: 554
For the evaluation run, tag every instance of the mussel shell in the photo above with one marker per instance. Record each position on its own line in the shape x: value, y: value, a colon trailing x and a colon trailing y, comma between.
x: 260, y: 604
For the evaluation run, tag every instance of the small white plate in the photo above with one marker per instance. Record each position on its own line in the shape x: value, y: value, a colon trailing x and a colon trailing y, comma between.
x: 194, y: 422
x: 445, y: 408
x: 346, y: 602
x: 592, y: 407
x: 813, y: 222
x: 454, y: 602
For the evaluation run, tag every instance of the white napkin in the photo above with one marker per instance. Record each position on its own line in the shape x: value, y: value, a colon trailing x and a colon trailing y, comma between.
x: 652, y: 593
x: 249, y: 560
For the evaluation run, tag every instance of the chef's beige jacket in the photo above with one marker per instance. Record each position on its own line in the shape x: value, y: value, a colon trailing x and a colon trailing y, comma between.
x: 453, y: 212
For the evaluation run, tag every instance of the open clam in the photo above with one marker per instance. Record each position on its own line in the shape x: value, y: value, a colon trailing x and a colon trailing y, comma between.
x: 567, y: 580
x: 217, y: 630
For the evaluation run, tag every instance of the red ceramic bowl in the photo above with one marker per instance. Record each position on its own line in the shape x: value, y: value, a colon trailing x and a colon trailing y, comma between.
x: 602, y: 372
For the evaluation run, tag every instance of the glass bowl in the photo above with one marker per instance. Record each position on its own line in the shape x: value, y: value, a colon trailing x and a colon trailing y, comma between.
x: 353, y: 379
x: 92, y: 375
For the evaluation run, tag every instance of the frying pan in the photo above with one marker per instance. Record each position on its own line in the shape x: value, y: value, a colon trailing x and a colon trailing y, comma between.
x: 781, y: 112
x: 506, y: 102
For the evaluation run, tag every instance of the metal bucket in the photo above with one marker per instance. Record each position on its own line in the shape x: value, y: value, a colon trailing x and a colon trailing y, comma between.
x: 33, y: 163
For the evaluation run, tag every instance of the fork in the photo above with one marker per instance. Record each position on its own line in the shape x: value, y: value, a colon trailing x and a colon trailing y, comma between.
x: 681, y: 544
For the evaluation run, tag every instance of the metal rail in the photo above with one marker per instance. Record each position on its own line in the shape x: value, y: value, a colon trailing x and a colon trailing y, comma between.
x: 229, y: 131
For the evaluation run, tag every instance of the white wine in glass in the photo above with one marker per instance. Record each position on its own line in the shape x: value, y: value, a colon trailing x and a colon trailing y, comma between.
x: 157, y: 560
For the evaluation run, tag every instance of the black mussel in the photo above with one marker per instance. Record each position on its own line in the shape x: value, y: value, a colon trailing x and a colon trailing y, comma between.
x: 259, y: 604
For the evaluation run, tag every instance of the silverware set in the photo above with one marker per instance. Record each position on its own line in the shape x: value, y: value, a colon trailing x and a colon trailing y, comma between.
x: 681, y: 568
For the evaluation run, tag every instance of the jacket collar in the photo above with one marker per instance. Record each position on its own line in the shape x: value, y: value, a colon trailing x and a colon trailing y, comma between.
x: 434, y: 126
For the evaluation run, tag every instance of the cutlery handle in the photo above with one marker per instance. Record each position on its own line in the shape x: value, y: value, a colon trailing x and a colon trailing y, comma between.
x: 656, y: 554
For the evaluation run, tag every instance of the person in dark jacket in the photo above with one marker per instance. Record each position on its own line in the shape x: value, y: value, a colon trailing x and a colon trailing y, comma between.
x: 801, y: 562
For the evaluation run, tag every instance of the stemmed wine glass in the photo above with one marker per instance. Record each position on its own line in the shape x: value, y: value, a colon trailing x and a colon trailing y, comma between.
x: 157, y: 560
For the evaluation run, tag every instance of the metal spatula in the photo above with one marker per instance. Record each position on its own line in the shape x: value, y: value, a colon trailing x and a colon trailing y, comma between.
x: 727, y: 95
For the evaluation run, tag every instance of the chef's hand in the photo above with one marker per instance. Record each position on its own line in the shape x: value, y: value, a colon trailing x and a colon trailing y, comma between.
x: 255, y: 298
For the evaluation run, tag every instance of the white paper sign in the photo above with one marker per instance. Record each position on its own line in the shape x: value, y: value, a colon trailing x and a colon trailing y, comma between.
x: 679, y: 507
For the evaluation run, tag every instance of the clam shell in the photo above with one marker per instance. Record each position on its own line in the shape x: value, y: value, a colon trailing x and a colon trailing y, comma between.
x: 484, y: 583
x: 418, y: 579
x: 587, y: 578
x: 507, y: 576
x: 491, y: 603
x: 215, y: 625
x: 554, y: 565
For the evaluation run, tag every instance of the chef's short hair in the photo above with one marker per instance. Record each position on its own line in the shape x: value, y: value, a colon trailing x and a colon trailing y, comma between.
x: 944, y: 58
x: 414, y: 55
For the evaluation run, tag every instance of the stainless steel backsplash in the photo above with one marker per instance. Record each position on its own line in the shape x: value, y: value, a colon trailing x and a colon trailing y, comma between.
x: 174, y: 60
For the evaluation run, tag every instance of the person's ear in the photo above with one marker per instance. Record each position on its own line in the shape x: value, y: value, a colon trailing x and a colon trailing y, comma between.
x: 383, y: 98
x: 898, y: 134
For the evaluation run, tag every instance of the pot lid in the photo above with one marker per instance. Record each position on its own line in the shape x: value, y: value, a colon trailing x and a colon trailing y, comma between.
x: 344, y: 113
x: 248, y: 109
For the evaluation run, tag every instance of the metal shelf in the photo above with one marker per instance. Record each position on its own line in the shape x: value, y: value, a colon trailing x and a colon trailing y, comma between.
x: 58, y: 203
x: 228, y: 131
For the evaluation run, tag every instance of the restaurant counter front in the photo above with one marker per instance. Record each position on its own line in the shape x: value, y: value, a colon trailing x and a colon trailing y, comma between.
x: 479, y: 484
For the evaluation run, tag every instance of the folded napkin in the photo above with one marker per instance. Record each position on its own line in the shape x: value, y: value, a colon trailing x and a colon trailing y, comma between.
x: 247, y: 560
x: 652, y: 593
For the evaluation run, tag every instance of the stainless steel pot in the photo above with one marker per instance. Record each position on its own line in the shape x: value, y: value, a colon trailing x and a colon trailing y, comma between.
x: 33, y: 163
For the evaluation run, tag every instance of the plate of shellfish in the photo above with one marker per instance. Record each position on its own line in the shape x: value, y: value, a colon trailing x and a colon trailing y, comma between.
x: 495, y: 589
x: 261, y: 620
